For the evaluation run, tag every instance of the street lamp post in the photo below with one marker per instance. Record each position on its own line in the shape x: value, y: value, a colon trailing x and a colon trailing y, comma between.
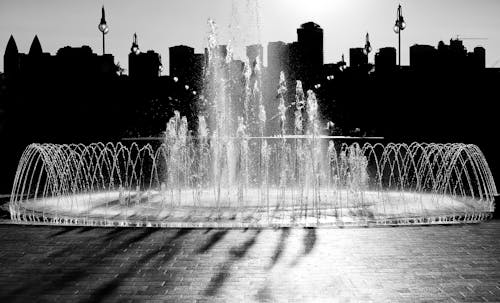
x: 398, y: 27
x: 103, y: 27
x: 135, y: 46
x: 368, y: 47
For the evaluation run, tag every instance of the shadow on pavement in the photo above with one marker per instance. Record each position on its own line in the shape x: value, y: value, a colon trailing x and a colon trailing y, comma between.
x: 285, y: 233
x: 224, y: 270
x: 309, y: 241
x: 65, y: 230
x: 216, y: 237
x: 59, y: 274
x: 108, y: 288
x: 96, y: 264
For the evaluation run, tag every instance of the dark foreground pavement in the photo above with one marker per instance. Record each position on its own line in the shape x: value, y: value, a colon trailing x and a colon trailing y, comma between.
x: 396, y: 264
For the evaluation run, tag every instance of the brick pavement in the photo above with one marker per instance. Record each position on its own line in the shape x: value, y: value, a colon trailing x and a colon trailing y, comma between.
x: 396, y: 264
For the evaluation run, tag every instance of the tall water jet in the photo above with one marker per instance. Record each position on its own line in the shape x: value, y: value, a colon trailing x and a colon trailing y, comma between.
x: 313, y: 173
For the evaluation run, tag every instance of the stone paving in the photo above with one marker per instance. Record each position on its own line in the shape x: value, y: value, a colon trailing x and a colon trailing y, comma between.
x: 459, y: 263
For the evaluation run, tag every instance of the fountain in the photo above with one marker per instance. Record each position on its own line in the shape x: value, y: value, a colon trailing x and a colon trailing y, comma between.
x: 235, y: 173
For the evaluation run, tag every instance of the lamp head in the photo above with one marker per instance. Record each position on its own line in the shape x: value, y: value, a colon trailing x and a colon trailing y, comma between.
x: 135, y: 46
x: 402, y: 23
x: 367, y: 49
x: 396, y: 28
x: 103, y: 27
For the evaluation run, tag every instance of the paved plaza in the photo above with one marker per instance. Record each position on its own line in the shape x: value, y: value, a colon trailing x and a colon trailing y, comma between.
x: 458, y: 263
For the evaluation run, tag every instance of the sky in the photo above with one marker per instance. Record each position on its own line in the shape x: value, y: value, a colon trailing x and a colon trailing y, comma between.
x: 160, y: 24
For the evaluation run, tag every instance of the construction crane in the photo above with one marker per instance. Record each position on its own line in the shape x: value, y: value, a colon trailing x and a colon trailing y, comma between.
x: 471, y: 38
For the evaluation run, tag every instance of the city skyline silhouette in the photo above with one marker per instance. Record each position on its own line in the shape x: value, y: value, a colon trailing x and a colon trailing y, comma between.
x: 161, y: 25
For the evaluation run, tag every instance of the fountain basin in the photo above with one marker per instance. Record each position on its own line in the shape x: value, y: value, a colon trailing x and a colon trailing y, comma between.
x: 117, y: 185
x: 162, y: 209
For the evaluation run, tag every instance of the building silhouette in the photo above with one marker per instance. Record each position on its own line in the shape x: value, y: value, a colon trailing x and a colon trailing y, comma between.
x: 306, y: 55
x: 477, y: 58
x: 11, y: 58
x: 255, y: 55
x: 452, y: 57
x: 385, y: 60
x: 310, y: 38
x: 141, y: 65
x: 68, y: 61
x: 181, y: 57
x: 357, y: 57
x: 85, y: 61
x: 187, y: 66
x: 277, y: 60
x: 37, y: 63
x: 423, y: 57
x: 299, y: 60
x: 455, y: 56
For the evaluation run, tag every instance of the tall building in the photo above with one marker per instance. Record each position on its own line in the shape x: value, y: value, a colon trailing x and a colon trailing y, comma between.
x: 455, y: 56
x: 84, y: 62
x: 423, y: 57
x: 11, y: 59
x: 143, y: 65
x: 253, y: 52
x: 457, y: 53
x: 478, y: 57
x: 357, y: 57
x: 198, y: 70
x: 181, y: 57
x: 310, y: 37
x: 296, y: 68
x: 74, y: 61
x: 385, y: 59
x: 36, y: 62
x: 186, y: 65
x: 306, y: 55
x: 277, y: 59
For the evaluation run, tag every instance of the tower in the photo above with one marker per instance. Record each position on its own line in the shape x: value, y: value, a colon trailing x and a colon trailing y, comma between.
x: 308, y: 53
x: 310, y: 38
x: 103, y: 28
x: 181, y: 59
x: 35, y: 48
x: 11, y: 60
x: 36, y: 62
x: 142, y: 65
